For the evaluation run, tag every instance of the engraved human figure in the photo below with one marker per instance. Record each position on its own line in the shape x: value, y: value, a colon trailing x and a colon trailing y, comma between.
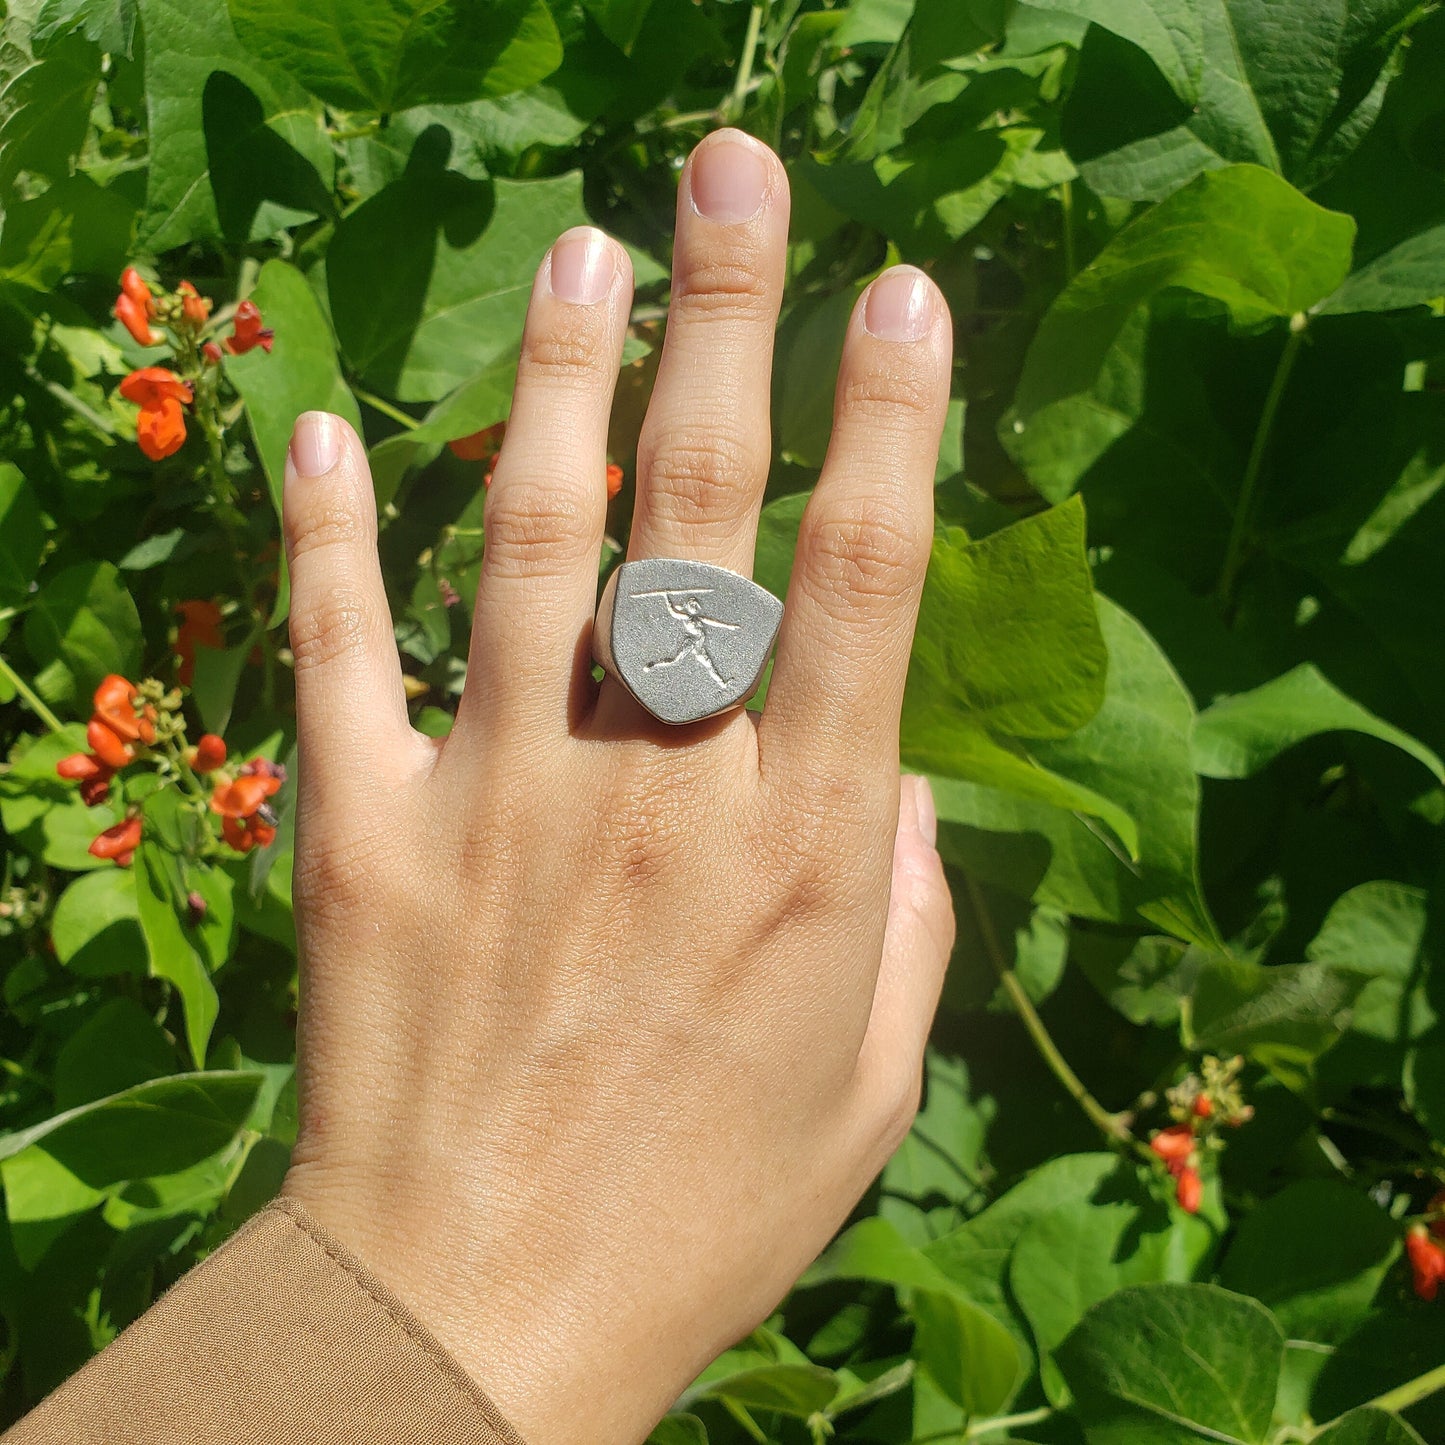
x: 694, y: 624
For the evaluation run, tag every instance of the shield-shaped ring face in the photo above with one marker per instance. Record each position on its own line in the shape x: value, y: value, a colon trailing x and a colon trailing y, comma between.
x: 686, y: 639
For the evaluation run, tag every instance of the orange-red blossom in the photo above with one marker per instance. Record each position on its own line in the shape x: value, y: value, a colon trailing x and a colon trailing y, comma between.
x: 160, y: 393
x: 246, y: 818
x: 200, y: 627
x: 1427, y: 1261
x: 1175, y: 1146
x: 114, y: 729
x: 135, y: 306
x: 247, y: 331
x: 482, y: 446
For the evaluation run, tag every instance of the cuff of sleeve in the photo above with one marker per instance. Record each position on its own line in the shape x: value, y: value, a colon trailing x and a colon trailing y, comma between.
x: 279, y: 1337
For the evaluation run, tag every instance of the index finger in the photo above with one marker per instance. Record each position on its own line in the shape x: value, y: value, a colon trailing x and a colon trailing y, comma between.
x: 863, y: 546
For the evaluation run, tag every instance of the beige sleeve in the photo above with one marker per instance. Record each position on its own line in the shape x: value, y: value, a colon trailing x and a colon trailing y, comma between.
x: 279, y: 1337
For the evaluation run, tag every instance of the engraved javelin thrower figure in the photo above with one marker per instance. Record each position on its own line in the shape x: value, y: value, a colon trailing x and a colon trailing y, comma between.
x: 694, y: 624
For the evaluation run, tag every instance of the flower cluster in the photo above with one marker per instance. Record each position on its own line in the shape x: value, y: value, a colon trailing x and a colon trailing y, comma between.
x: 485, y: 446
x: 1199, y: 1106
x: 247, y: 819
x: 129, y: 723
x: 163, y: 393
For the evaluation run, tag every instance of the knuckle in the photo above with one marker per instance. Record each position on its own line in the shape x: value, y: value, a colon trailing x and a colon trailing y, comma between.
x: 568, y: 351
x: 900, y: 1097
x: 539, y: 534
x: 331, y: 521
x: 888, y: 397
x: 873, y: 550
x: 336, y: 882
x: 698, y: 476
x: 726, y: 286
x: 324, y: 631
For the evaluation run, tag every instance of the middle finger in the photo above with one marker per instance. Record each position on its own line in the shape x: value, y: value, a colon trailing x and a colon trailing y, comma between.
x: 702, y: 458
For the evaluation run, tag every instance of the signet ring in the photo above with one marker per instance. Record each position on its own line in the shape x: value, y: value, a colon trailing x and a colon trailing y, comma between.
x: 688, y: 640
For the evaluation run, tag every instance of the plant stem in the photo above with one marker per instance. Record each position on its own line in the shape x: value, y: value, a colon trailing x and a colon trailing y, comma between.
x: 973, y: 1430
x: 386, y: 408
x: 68, y: 398
x: 745, y: 61
x: 1242, y: 527
x: 1110, y: 1125
x: 30, y: 696
x: 1411, y: 1392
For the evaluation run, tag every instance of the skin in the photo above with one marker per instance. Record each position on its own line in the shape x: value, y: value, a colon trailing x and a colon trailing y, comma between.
x: 607, y: 1025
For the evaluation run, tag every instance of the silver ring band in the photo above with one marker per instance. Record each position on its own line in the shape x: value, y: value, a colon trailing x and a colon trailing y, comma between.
x: 688, y: 640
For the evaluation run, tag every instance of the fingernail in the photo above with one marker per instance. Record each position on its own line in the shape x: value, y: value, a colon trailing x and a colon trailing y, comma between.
x: 729, y: 179
x: 899, y: 305
x: 315, y: 443
x: 583, y: 266
x: 927, y: 813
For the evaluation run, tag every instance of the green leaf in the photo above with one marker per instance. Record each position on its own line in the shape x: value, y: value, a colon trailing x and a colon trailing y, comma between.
x: 1284, y: 1015
x: 1369, y: 1427
x: 678, y: 1430
x: 386, y: 55
x: 429, y: 279
x: 1007, y: 635
x: 1169, y: 32
x: 84, y: 619
x: 472, y: 407
x: 109, y: 23
x: 22, y: 535
x: 966, y: 1352
x: 300, y: 373
x: 874, y: 1250
x: 1163, y: 1364
x: 44, y: 100
x: 76, y: 226
x: 1239, y: 735
x: 1379, y: 929
x: 118, y: 1046
x: 96, y: 926
x: 798, y: 1390
x: 1315, y: 1294
x: 1071, y: 1258
x: 215, y: 679
x: 237, y: 151
x: 180, y: 953
x: 42, y: 1200
x: 1240, y: 236
x: 1133, y: 752
x: 156, y: 1127
x: 1409, y: 274
x: 619, y: 20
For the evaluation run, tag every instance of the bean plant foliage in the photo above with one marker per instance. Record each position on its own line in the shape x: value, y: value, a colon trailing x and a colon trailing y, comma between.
x: 1177, y: 681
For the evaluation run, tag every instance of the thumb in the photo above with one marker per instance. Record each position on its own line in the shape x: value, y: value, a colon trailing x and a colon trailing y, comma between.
x: 916, y: 944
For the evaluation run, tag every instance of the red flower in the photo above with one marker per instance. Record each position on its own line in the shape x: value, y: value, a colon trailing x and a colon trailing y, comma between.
x: 1203, y: 1106
x: 1174, y: 1146
x: 92, y: 774
x: 1190, y: 1191
x: 1427, y: 1261
x: 161, y: 426
x: 118, y: 842
x: 200, y: 627
x: 108, y: 748
x: 195, y: 307
x: 80, y: 766
x: 210, y: 754
x: 115, y: 706
x: 212, y: 353
x: 246, y: 818
x: 479, y: 444
x: 135, y: 306
x: 614, y: 479
x: 247, y: 331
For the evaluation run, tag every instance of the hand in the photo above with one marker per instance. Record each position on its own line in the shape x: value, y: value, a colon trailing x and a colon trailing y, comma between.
x: 605, y: 1025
